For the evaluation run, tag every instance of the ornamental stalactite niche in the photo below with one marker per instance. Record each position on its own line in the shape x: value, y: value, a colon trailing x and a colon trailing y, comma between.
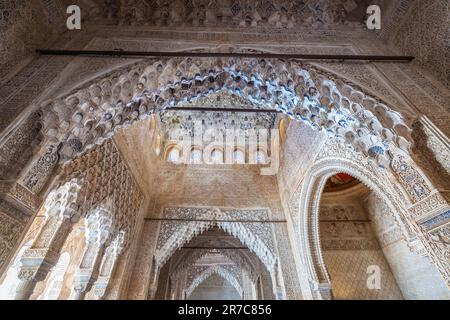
x: 333, y: 184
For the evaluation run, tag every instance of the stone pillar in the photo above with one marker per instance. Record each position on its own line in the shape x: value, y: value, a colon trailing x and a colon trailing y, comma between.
x: 325, y: 292
x: 88, y: 271
x: 249, y: 290
x: 276, y: 289
x: 106, y: 268
x: 61, y: 209
x: 254, y: 288
x: 28, y: 280
x: 259, y: 289
x: 43, y: 254
x: 153, y: 286
x: 180, y: 284
x: 277, y: 282
x: 98, y: 225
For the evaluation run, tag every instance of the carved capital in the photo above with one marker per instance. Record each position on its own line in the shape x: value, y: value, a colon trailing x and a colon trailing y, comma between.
x: 32, y: 274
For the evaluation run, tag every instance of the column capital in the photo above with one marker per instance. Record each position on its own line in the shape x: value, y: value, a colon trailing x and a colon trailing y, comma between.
x: 35, y: 274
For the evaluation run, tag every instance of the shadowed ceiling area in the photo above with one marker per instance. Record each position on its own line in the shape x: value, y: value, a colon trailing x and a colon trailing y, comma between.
x: 230, y: 13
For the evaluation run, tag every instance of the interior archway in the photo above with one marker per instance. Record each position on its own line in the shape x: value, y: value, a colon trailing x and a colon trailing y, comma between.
x: 352, y: 251
x: 213, y: 252
x: 215, y: 287
x: 321, y: 175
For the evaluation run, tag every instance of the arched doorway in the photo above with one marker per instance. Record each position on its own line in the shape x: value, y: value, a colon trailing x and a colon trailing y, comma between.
x: 214, y: 264
x: 351, y: 249
x: 378, y: 226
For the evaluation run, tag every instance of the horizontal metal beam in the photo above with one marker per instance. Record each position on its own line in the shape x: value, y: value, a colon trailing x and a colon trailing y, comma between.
x: 345, y: 221
x: 211, y: 220
x: 309, y: 57
x: 207, y: 109
x: 217, y: 248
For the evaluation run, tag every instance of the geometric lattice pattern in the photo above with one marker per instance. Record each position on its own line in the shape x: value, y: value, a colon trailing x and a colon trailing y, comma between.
x: 348, y: 273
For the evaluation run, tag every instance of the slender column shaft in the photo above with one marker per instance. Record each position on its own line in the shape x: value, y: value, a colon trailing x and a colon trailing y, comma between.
x: 88, y: 271
x: 42, y: 256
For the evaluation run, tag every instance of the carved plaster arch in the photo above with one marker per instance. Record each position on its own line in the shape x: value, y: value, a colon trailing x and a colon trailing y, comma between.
x: 238, y: 257
x: 90, y: 115
x: 83, y: 80
x: 197, y: 228
x: 187, y: 231
x: 222, y: 272
x: 171, y: 147
x: 102, y: 164
x: 103, y: 222
x: 336, y: 159
x: 54, y: 283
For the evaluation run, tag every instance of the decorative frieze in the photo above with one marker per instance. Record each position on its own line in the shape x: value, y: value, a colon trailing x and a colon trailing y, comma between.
x: 258, y: 237
x: 428, y: 207
x: 411, y: 179
x: 436, y: 221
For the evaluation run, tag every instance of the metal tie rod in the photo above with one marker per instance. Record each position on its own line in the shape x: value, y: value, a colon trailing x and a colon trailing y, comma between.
x: 349, y: 221
x: 209, y: 109
x: 217, y: 248
x: 131, y: 54
x: 211, y: 220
